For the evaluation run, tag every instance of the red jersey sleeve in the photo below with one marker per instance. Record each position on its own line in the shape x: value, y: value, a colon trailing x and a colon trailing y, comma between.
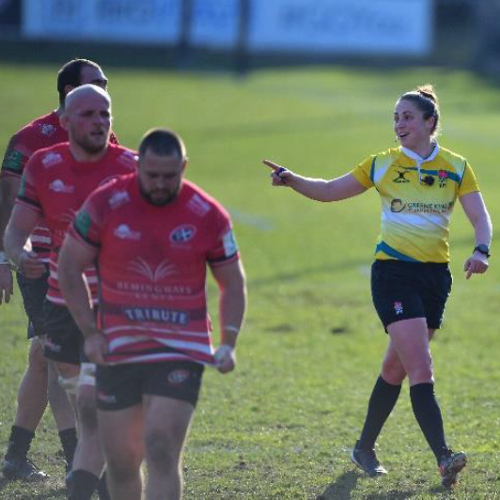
x: 89, y: 221
x: 17, y: 154
x: 28, y: 192
x: 224, y: 249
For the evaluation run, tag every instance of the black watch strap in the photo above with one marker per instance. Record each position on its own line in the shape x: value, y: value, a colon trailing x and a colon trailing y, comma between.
x: 482, y: 249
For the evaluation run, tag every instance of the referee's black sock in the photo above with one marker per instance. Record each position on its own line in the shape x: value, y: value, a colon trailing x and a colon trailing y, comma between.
x: 428, y: 414
x: 382, y: 402
x: 19, y: 442
x: 82, y: 485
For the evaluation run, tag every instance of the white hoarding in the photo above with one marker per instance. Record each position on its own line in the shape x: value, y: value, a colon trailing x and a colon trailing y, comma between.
x: 400, y: 27
x: 146, y: 21
x: 215, y: 23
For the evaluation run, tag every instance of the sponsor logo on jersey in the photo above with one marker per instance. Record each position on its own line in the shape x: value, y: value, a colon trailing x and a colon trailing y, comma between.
x: 178, y: 376
x: 51, y: 159
x: 397, y: 205
x: 125, y: 233
x: 47, y: 129
x: 59, y: 187
x: 182, y: 234
x: 156, y: 314
x: 198, y: 205
x: 108, y: 179
x: 128, y: 159
x: 229, y: 243
x: 162, y: 270
x: 118, y: 198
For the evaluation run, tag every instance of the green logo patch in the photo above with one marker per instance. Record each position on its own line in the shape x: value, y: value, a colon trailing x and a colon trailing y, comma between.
x: 83, y: 222
x: 13, y: 160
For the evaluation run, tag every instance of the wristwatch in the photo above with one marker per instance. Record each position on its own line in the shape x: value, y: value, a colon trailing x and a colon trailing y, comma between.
x: 482, y: 249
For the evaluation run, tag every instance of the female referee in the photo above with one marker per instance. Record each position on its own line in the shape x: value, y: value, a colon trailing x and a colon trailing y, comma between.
x: 418, y: 183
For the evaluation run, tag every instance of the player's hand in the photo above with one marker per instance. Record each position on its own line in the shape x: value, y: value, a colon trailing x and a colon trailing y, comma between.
x: 96, y: 347
x: 225, y: 359
x: 30, y: 265
x: 477, y: 263
x: 280, y: 176
x: 6, y: 285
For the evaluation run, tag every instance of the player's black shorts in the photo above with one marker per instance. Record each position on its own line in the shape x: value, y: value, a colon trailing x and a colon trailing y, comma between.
x: 122, y: 386
x: 64, y: 340
x: 33, y: 292
x: 405, y: 290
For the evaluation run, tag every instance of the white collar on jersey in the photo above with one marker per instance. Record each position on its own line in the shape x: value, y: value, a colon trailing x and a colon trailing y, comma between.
x: 418, y: 159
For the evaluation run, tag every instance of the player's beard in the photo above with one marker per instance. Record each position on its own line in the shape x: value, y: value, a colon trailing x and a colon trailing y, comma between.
x: 168, y: 196
x: 90, y: 146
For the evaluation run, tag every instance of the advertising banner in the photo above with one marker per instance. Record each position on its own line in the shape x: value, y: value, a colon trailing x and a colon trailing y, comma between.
x: 147, y: 21
x: 400, y: 27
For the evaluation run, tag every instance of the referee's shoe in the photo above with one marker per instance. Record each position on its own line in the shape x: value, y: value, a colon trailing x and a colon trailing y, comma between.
x: 366, y: 460
x: 449, y: 467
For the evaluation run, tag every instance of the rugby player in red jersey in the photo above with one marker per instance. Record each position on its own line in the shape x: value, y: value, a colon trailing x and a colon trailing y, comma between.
x: 152, y: 234
x: 55, y: 183
x: 40, y: 382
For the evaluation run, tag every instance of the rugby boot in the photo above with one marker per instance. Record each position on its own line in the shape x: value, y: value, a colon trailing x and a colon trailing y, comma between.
x: 366, y: 460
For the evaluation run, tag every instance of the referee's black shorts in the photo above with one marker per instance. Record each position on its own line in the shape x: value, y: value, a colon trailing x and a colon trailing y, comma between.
x: 405, y: 290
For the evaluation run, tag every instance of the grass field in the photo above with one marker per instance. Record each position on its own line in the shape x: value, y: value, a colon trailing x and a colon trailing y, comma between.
x: 282, y: 425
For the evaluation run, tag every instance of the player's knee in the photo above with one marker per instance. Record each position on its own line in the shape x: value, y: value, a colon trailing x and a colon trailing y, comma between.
x: 36, y: 359
x: 421, y: 374
x: 87, y: 411
x: 393, y: 372
x: 122, y: 467
x: 159, y: 450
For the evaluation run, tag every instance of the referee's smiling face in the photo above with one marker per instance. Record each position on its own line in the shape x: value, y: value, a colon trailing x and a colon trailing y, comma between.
x: 412, y: 131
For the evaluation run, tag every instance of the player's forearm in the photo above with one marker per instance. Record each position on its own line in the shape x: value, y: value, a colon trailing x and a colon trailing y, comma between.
x: 483, y: 230
x: 315, y: 189
x: 77, y: 298
x: 232, y: 307
x: 7, y: 199
x: 13, y: 243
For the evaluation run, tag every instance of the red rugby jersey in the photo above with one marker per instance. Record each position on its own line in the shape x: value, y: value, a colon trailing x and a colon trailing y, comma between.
x: 56, y: 185
x: 41, y: 133
x: 152, y: 269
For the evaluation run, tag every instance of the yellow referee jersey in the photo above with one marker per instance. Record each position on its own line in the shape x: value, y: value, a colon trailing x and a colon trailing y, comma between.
x: 418, y: 196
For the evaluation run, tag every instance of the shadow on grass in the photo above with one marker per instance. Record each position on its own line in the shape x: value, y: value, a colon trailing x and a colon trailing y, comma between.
x: 341, y: 488
x: 344, y: 485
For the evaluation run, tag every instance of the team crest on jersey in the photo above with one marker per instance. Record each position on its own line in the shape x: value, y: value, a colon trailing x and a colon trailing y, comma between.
x: 59, y: 187
x: 47, y: 129
x: 125, y: 233
x: 178, y: 376
x: 118, y: 198
x: 182, y: 234
x: 162, y: 270
x: 198, y: 205
x: 442, y: 177
x: 51, y: 159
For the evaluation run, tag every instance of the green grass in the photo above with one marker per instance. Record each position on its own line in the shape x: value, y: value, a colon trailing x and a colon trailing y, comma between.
x: 282, y: 425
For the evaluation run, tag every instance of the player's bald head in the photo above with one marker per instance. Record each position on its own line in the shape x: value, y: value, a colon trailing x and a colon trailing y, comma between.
x: 83, y: 94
